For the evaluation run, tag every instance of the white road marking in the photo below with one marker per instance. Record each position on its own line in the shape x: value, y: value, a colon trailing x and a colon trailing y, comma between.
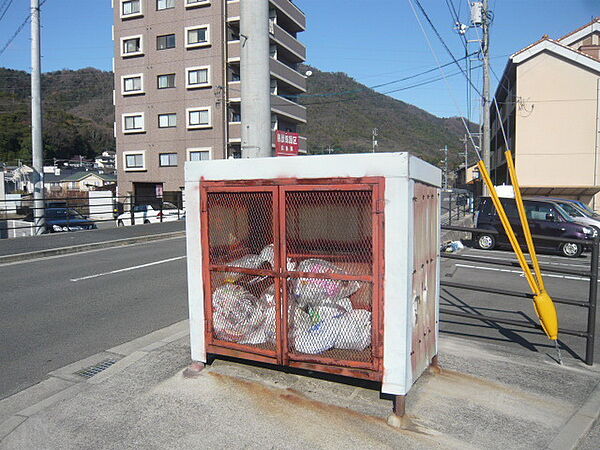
x: 520, y: 272
x: 127, y: 269
x: 509, y: 252
x: 542, y: 261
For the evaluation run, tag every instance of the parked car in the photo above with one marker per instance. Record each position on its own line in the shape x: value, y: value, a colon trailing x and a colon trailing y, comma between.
x: 545, y: 219
x: 66, y: 219
x: 585, y: 209
x: 147, y: 214
x: 576, y: 213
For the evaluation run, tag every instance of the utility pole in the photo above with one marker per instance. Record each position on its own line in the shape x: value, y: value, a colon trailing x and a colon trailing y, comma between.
x: 256, y: 84
x: 465, y: 140
x: 486, y: 86
x: 36, y: 121
x: 375, y: 144
x: 445, y: 161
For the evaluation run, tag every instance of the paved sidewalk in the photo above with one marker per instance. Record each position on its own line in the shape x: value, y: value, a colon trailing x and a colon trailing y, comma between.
x: 57, y: 241
x: 484, y: 397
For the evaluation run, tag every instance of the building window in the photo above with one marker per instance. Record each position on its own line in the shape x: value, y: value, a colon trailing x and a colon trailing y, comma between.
x: 167, y: 120
x: 168, y: 159
x: 131, y: 46
x: 134, y: 160
x: 198, y: 117
x: 199, y: 154
x: 133, y: 84
x: 165, y: 4
x: 197, y: 77
x: 130, y: 8
x: 194, y: 3
x: 165, y: 41
x: 166, y: 81
x: 197, y: 36
x: 133, y: 123
x: 235, y: 115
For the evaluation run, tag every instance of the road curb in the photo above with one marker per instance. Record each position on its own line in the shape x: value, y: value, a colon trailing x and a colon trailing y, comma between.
x: 579, y: 424
x: 129, y: 352
x: 18, y: 257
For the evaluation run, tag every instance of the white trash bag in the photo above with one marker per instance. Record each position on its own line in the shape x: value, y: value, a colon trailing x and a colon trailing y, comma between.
x: 354, y: 330
x: 237, y: 316
x: 268, y: 255
x: 249, y: 261
x: 316, y: 291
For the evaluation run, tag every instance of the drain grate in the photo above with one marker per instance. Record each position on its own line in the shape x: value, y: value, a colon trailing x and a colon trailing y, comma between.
x: 89, y: 372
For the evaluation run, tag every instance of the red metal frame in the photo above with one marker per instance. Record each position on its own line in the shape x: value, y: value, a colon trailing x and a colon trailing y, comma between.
x: 281, y: 355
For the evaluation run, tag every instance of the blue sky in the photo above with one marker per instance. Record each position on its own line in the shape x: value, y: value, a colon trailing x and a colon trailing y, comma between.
x: 374, y: 41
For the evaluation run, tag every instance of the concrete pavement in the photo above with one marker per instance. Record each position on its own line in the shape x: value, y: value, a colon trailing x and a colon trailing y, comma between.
x: 55, y: 311
x: 484, y: 397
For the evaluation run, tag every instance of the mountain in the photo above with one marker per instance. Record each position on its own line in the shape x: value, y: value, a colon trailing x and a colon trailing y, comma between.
x: 342, y: 114
x: 78, y: 114
x: 78, y: 117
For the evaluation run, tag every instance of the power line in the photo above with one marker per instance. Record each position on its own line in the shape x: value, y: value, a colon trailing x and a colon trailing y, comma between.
x: 19, y: 29
x: 8, y: 3
x: 441, y: 39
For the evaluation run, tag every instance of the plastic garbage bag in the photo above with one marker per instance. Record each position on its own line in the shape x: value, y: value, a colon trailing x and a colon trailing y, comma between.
x: 249, y: 261
x: 236, y: 315
x: 312, y: 338
x: 268, y: 255
x: 354, y: 330
x: 316, y: 291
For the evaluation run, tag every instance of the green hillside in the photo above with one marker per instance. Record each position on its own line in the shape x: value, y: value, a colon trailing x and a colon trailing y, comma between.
x: 345, y: 122
x: 78, y: 117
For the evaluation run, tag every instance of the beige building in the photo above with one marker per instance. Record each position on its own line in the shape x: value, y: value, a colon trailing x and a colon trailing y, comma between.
x: 178, y: 86
x: 549, y: 100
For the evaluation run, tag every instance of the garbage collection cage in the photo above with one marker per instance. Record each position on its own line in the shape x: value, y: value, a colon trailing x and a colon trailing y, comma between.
x: 292, y: 272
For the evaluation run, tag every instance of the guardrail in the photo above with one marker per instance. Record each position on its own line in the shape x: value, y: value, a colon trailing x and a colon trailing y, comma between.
x: 76, y: 208
x: 590, y: 304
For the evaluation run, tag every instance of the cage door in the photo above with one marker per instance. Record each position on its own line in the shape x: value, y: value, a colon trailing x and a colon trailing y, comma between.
x: 240, y: 243
x: 329, y: 247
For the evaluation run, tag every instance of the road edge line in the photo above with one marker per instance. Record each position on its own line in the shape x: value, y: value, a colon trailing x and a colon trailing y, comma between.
x: 18, y: 257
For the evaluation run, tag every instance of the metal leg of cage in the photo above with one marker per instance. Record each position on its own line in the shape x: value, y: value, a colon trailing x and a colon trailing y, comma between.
x: 194, y: 369
x: 399, y: 407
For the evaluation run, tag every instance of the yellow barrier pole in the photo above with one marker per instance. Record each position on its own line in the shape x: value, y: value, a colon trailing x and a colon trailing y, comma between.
x: 508, y: 229
x: 524, y: 221
x: 544, y: 306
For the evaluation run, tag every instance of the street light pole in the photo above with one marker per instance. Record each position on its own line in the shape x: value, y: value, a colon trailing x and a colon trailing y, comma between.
x: 36, y: 121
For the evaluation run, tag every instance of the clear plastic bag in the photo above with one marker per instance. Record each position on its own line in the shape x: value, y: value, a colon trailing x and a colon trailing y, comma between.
x: 250, y: 261
x: 236, y: 315
x: 268, y: 255
x: 317, y: 291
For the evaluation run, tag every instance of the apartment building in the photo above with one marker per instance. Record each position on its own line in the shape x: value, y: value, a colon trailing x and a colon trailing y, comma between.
x: 178, y: 85
x: 549, y: 105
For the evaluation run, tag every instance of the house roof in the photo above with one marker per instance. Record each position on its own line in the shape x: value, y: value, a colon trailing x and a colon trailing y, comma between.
x: 78, y: 176
x: 581, y: 32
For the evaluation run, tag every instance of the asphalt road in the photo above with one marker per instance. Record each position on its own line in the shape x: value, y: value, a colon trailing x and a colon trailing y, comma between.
x: 511, y: 278
x: 59, y: 310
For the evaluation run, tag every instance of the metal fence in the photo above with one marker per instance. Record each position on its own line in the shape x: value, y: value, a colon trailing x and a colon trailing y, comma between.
x: 589, y: 304
x: 455, y: 205
x: 81, y: 212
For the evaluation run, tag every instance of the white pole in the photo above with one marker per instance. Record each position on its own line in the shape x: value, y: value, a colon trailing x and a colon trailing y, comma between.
x: 256, y: 79
x: 36, y: 120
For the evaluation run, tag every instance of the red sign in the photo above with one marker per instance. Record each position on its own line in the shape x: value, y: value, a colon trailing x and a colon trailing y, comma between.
x: 286, y: 143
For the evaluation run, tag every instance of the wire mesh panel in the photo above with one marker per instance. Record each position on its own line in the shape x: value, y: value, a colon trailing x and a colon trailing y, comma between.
x: 329, y: 251
x: 243, y: 300
x: 240, y: 227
